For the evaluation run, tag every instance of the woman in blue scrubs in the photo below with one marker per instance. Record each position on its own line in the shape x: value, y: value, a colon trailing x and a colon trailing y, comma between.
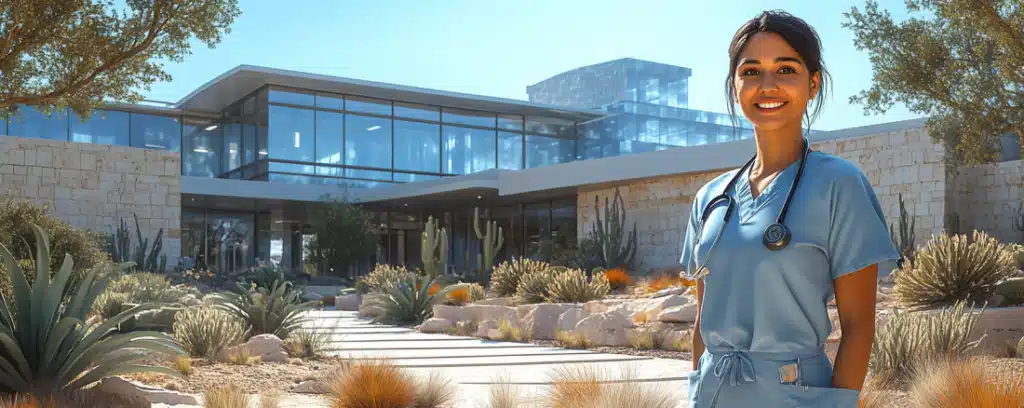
x: 773, y: 242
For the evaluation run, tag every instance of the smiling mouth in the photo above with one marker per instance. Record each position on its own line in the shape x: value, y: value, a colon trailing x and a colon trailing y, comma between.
x: 770, y: 106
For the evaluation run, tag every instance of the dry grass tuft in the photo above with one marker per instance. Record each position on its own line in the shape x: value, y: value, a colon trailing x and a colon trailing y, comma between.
x: 27, y: 401
x: 241, y: 356
x: 588, y: 387
x: 90, y: 397
x: 502, y: 394
x: 642, y: 339
x: 182, y: 364
x: 228, y: 396
x: 511, y: 332
x: 964, y: 383
x: 466, y: 328
x: 272, y: 400
x: 373, y: 384
x: 572, y: 340
x: 435, y: 392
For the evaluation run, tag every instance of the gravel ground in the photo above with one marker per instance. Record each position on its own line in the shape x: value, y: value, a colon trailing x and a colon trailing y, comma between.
x: 678, y: 355
x: 262, y: 378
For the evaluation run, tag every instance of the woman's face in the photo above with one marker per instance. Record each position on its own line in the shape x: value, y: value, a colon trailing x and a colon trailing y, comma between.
x: 773, y: 85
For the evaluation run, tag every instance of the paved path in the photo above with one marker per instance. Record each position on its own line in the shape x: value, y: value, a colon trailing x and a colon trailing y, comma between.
x: 475, y: 364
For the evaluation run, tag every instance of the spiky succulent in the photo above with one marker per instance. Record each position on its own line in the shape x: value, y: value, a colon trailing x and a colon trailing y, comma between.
x: 409, y: 300
x: 571, y: 286
x: 505, y: 280
x: 47, y: 346
x: 533, y: 287
x: 276, y: 310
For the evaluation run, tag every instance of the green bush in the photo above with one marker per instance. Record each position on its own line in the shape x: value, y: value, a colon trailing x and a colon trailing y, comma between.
x: 16, y: 220
x: 48, y: 349
x: 952, y: 268
x: 382, y: 275
x: 278, y: 310
x: 506, y: 276
x: 108, y: 304
x: 571, y: 286
x: 205, y: 331
x: 908, y: 341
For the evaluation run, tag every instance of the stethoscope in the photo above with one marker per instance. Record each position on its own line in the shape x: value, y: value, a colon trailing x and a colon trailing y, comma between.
x: 776, y: 237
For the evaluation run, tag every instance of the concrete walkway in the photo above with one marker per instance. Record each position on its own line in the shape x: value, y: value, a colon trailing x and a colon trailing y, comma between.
x: 475, y: 364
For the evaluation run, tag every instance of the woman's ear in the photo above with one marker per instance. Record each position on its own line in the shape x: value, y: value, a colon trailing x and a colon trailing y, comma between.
x: 815, y: 85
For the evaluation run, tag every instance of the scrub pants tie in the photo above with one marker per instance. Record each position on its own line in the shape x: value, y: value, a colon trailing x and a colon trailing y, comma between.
x: 737, y: 366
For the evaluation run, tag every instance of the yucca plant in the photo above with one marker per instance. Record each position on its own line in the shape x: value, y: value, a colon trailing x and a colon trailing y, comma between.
x: 47, y: 347
x: 952, y: 268
x: 533, y: 287
x: 571, y: 286
x: 506, y: 276
x: 409, y: 300
x: 276, y: 311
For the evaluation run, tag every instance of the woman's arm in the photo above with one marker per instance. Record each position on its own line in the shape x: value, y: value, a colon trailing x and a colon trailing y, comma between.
x: 855, y: 302
x: 697, y: 341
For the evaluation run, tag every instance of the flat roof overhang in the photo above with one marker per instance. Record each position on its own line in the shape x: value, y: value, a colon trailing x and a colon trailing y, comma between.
x: 233, y: 85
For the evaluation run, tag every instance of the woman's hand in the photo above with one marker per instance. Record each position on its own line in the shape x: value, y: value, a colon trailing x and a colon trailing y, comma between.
x: 855, y: 301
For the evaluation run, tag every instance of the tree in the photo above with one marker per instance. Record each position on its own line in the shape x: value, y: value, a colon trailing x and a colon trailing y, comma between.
x: 963, y: 66
x: 80, y: 53
x: 343, y: 234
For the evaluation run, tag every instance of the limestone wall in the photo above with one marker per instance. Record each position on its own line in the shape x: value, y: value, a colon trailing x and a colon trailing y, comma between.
x: 988, y: 198
x: 94, y: 186
x: 899, y: 162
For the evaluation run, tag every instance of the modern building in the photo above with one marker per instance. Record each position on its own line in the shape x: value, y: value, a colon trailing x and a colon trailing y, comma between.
x: 230, y: 170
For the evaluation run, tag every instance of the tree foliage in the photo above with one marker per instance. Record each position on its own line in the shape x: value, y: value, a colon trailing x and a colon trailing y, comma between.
x: 343, y: 233
x: 963, y: 66
x: 79, y: 53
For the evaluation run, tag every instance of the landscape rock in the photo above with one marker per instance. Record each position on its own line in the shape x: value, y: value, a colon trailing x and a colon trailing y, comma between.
x: 653, y: 307
x: 132, y: 390
x: 568, y: 320
x: 483, y: 329
x: 310, y: 387
x: 453, y: 313
x: 679, y: 314
x: 268, y: 347
x: 501, y: 301
x: 605, y: 329
x: 348, y: 302
x: 669, y: 292
x: 541, y: 320
x: 496, y: 313
x: 436, y: 325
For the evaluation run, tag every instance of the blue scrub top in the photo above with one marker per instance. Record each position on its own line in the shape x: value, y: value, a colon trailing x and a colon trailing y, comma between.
x: 758, y: 300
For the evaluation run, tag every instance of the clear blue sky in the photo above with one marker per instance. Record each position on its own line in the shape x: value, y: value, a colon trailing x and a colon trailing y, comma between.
x: 498, y: 47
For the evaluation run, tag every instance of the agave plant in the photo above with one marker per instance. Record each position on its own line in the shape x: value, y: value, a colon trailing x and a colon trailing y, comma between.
x: 47, y: 348
x: 276, y: 310
x: 410, y: 299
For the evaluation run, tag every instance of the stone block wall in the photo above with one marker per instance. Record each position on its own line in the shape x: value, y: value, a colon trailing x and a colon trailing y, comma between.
x: 94, y: 186
x: 989, y: 198
x: 903, y: 162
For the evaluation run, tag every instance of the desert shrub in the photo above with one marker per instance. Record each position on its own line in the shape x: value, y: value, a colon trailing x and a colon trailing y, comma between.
x: 909, y: 339
x: 278, y: 310
x: 108, y: 304
x: 205, y: 331
x: 533, y: 287
x: 577, y: 386
x: 572, y: 286
x: 952, y: 268
x: 434, y: 391
x: 137, y: 288
x: 410, y: 300
x: 227, y: 396
x: 382, y: 275
x: 306, y: 343
x: 45, y: 324
x: 964, y: 383
x: 378, y: 384
x: 16, y: 219
x: 618, y: 278
x: 506, y: 276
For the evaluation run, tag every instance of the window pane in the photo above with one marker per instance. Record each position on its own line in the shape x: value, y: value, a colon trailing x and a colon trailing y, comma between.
x: 156, y: 132
x: 248, y: 143
x: 232, y: 147
x: 409, y: 178
x: 549, y: 126
x: 104, y: 127
x: 367, y: 105
x: 200, y: 147
x: 330, y: 128
x: 291, y: 134
x: 510, y: 151
x: 468, y: 150
x: 544, y: 151
x: 537, y: 217
x: 368, y: 141
x: 368, y: 174
x: 417, y: 146
x: 472, y: 118
x: 510, y: 122
x: 291, y: 97
x: 412, y: 111
x: 30, y: 122
x: 330, y: 101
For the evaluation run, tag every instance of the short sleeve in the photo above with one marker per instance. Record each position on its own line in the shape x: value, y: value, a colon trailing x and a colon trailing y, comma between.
x: 858, y: 235
x: 689, y: 237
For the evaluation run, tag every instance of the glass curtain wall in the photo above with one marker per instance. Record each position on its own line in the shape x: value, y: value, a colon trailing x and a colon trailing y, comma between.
x: 220, y: 241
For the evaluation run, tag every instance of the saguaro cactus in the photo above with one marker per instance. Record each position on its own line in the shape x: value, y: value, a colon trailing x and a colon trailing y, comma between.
x: 492, y: 239
x: 434, y: 249
x: 616, y: 248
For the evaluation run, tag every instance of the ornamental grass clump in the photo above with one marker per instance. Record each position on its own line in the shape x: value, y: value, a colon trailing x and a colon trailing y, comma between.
x: 571, y: 286
x: 533, y: 286
x: 205, y: 331
x: 506, y: 276
x: 952, y: 268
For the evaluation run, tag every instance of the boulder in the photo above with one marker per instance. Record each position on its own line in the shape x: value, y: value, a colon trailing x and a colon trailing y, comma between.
x: 568, y: 320
x: 476, y: 313
x: 500, y: 301
x: 678, y: 290
x: 268, y: 347
x: 679, y: 314
x: 134, y: 390
x: 311, y: 387
x: 436, y: 325
x: 541, y: 320
x: 453, y: 313
x: 483, y: 330
x: 348, y: 302
x: 652, y: 308
x: 605, y: 329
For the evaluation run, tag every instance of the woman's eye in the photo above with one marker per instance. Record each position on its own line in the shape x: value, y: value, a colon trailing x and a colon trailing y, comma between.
x: 749, y: 71
x: 787, y: 70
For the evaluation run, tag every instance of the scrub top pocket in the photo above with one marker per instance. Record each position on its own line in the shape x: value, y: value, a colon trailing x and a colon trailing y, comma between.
x: 819, y: 397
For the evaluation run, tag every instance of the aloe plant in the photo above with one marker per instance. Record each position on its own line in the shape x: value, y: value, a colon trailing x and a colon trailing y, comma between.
x: 276, y: 310
x: 408, y: 300
x: 47, y: 348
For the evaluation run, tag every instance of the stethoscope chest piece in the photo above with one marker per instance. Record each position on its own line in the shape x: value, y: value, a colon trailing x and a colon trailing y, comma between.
x: 776, y: 236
